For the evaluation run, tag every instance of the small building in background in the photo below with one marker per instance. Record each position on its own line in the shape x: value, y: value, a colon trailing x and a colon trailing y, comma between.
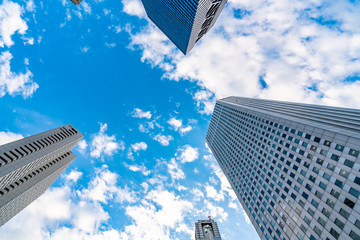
x: 207, y: 230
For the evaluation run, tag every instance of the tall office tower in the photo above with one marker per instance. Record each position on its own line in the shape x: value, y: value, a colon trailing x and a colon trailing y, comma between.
x: 29, y: 166
x: 185, y: 22
x: 207, y: 230
x: 294, y: 167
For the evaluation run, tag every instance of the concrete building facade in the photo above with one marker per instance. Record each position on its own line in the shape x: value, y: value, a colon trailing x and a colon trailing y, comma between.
x: 294, y: 167
x: 207, y: 230
x: 184, y: 22
x: 29, y: 166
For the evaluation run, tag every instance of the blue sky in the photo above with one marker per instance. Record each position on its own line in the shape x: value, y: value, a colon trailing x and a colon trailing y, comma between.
x: 143, y: 170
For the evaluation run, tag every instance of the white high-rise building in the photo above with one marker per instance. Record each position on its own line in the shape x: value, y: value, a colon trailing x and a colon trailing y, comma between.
x: 29, y: 166
x: 294, y: 167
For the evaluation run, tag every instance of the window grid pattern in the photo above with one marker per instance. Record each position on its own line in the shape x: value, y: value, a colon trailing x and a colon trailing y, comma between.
x: 178, y: 19
x: 294, y: 181
x: 28, y: 162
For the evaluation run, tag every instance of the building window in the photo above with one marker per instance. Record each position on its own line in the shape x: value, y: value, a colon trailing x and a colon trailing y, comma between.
x: 354, y: 236
x: 334, y: 233
x: 349, y: 163
x: 354, y: 153
x: 339, y: 147
x: 344, y: 213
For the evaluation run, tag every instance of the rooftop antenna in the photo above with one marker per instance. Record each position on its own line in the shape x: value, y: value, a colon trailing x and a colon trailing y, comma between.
x: 209, y: 218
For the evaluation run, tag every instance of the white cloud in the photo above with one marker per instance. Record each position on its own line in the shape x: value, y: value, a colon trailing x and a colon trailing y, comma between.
x: 275, y: 49
x: 26, y: 61
x: 7, y: 137
x: 139, y: 146
x: 187, y: 154
x: 103, y: 144
x: 85, y: 49
x: 138, y: 113
x: 81, y: 146
x: 134, y: 8
x: 154, y: 217
x: 162, y: 139
x: 213, y: 194
x: 30, y: 5
x: 142, y: 169
x: 215, y: 211
x: 86, y: 7
x: 174, y: 170
x: 15, y: 83
x: 10, y: 22
x: 178, y: 125
x: 185, y: 129
x: 102, y: 188
x: 73, y: 176
x: 247, y: 219
x: 175, y: 123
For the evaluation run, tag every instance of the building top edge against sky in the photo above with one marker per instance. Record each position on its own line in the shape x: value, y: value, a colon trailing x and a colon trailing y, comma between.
x: 345, y: 122
x: 184, y: 22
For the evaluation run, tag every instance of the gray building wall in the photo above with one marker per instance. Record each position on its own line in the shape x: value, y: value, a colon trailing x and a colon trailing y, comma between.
x: 199, y: 233
x: 294, y: 167
x: 29, y: 166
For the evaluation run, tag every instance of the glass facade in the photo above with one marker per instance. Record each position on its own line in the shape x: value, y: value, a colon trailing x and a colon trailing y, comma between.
x: 179, y: 19
x: 296, y: 177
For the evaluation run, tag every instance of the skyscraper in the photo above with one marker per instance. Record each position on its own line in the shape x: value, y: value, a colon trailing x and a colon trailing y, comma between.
x: 294, y: 167
x: 207, y: 230
x: 184, y: 21
x: 29, y: 166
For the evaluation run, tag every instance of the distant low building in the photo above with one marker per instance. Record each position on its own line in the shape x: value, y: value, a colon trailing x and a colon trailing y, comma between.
x: 207, y: 230
x: 76, y: 2
x: 184, y: 22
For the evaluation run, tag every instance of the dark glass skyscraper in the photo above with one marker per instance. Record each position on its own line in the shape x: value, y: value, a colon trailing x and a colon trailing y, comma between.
x: 184, y: 21
x: 29, y: 166
x: 294, y: 167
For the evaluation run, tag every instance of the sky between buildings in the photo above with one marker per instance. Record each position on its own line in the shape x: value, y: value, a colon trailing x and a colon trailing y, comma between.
x: 143, y: 170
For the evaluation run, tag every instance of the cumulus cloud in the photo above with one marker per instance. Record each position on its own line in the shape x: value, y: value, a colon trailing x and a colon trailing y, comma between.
x: 213, y: 194
x: 81, y: 146
x: 139, y: 146
x: 178, y: 125
x: 187, y: 154
x: 103, y: 188
x: 7, y: 137
x: 158, y: 213
x: 162, y: 139
x: 10, y: 22
x: 103, y: 144
x: 15, y: 83
x: 81, y: 210
x: 136, y: 168
x: 138, y: 113
x: 305, y: 51
x: 73, y: 176
x: 134, y: 7
x: 174, y: 170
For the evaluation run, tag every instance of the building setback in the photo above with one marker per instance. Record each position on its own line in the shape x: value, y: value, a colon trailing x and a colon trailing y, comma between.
x: 294, y: 167
x: 184, y: 22
x: 207, y: 230
x: 29, y: 166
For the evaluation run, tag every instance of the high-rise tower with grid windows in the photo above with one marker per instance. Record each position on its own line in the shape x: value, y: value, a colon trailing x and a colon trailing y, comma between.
x: 184, y: 22
x: 294, y: 167
x: 29, y: 166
